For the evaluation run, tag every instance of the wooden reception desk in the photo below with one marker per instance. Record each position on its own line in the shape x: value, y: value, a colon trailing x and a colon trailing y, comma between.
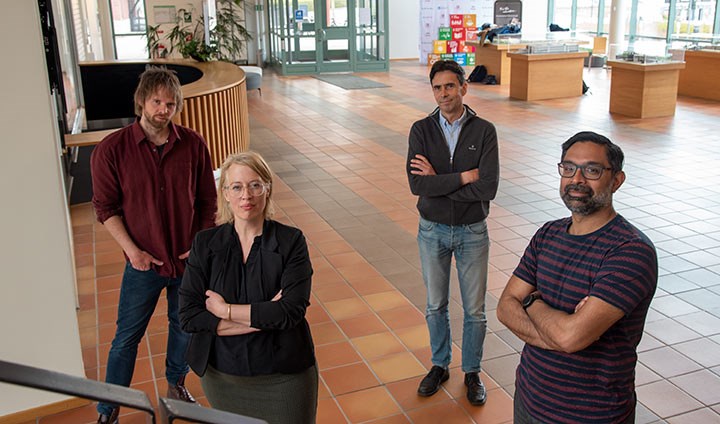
x: 495, y: 58
x: 644, y: 90
x: 215, y: 105
x: 699, y: 78
x: 546, y: 76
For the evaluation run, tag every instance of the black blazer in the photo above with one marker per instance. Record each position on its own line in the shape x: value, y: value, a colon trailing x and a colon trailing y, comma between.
x: 285, y: 264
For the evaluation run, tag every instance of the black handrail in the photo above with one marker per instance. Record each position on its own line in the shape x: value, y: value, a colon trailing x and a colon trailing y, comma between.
x: 58, y: 382
x: 171, y: 409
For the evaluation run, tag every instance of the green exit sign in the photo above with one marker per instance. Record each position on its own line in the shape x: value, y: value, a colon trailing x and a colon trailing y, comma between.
x: 258, y: 7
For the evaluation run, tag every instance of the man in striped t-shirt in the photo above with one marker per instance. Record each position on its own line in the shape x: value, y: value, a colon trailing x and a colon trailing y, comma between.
x: 579, y: 298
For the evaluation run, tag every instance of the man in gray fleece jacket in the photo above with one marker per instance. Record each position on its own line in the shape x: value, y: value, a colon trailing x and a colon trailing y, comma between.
x: 453, y: 168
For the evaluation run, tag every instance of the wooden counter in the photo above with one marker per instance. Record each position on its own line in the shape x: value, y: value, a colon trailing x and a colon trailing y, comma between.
x: 495, y: 58
x: 699, y: 78
x: 215, y: 106
x: 546, y: 76
x: 644, y: 90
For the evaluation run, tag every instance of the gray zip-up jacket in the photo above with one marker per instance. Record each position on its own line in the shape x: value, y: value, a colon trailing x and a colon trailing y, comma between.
x: 442, y: 197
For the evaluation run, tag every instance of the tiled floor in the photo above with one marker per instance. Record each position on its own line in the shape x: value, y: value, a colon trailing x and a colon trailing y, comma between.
x: 339, y: 156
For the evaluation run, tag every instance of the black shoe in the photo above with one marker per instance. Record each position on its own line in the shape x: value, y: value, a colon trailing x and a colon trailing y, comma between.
x: 431, y: 383
x: 109, y: 419
x: 476, y: 394
x: 180, y: 392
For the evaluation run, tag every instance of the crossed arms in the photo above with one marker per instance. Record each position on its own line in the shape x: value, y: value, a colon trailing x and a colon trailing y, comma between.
x: 548, y: 328
x: 234, y: 318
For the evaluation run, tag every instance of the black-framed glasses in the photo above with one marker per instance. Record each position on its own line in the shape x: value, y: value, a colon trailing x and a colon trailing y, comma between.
x: 590, y: 171
x: 255, y: 188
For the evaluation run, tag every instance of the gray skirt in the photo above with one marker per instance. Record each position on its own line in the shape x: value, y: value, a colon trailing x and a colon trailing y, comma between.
x: 275, y: 398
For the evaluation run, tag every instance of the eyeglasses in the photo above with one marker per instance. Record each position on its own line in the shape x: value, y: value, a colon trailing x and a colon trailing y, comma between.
x: 255, y: 188
x: 590, y: 172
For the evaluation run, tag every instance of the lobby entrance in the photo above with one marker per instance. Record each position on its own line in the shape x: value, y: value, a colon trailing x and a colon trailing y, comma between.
x: 317, y: 36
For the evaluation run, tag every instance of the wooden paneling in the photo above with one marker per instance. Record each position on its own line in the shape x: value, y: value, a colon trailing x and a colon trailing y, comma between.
x: 546, y: 76
x: 495, y: 58
x: 700, y: 76
x: 221, y: 117
x: 644, y: 90
x: 216, y: 107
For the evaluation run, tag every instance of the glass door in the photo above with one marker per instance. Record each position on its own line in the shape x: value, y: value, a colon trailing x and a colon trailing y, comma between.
x: 333, y: 35
x: 314, y: 36
x: 371, y: 42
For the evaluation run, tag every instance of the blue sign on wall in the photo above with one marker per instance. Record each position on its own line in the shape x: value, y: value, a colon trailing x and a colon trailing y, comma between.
x: 299, y: 15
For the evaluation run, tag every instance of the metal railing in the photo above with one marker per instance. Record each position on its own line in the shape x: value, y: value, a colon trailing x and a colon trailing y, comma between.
x: 170, y: 410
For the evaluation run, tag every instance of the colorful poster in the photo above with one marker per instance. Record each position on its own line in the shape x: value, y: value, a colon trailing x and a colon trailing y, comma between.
x: 460, y: 58
x: 445, y: 33
x: 435, y: 14
x: 458, y: 34
x: 456, y: 21
x: 471, y: 34
x: 466, y: 49
x: 469, y: 21
x: 432, y: 58
x: 440, y: 46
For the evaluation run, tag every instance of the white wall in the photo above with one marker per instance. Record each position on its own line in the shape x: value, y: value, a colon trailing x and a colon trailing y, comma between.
x: 38, y: 323
x: 404, y: 28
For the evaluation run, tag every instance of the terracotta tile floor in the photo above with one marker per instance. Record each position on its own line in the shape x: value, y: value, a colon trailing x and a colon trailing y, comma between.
x: 339, y: 157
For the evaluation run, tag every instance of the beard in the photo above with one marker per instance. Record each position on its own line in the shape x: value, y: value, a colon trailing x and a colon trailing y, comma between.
x: 156, y: 121
x: 588, y: 203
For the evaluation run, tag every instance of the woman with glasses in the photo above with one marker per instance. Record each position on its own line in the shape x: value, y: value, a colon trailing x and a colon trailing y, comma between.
x: 244, y: 296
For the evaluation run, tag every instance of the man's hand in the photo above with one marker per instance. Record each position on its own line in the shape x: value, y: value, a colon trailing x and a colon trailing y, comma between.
x: 184, y: 256
x: 142, y: 260
x: 277, y: 297
x: 470, y: 176
x: 216, y: 304
x: 422, y: 166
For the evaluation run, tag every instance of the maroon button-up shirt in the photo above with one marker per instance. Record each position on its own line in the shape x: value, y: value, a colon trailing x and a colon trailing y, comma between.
x: 163, y: 200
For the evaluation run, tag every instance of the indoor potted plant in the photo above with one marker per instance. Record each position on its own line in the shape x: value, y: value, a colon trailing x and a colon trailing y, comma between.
x: 227, y: 38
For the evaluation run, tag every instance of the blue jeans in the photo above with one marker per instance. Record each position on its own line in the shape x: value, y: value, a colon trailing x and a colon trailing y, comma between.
x: 139, y: 294
x: 470, y: 245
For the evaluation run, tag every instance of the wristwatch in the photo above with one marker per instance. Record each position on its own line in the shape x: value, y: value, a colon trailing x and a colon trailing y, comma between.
x: 529, y: 299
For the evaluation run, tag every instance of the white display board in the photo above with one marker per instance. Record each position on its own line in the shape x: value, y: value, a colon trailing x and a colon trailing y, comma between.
x: 435, y: 14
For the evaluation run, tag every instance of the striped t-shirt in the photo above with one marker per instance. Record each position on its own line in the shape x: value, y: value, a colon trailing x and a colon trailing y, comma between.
x: 617, y: 264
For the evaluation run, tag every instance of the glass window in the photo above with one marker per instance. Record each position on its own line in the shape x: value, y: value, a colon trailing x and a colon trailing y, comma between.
x: 337, y: 15
x: 587, y: 15
x: 694, y: 18
x: 652, y: 23
x: 562, y: 13
x: 606, y: 16
x: 652, y: 18
x: 129, y: 26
